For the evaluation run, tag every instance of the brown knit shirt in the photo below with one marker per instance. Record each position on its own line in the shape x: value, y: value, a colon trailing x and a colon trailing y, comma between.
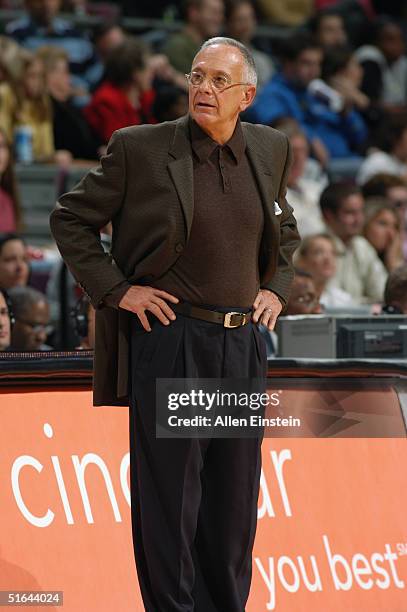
x: 219, y: 264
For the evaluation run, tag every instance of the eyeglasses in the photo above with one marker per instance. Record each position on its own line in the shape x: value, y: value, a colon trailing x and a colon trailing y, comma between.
x: 219, y: 82
x: 38, y: 327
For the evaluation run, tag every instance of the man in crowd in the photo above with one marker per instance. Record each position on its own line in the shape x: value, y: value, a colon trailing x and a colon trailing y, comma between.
x: 360, y: 272
x: 303, y: 297
x: 203, y: 19
x: 31, y: 312
x: 330, y: 132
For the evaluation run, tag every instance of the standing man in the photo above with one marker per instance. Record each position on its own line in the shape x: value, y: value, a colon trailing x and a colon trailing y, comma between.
x: 201, y: 252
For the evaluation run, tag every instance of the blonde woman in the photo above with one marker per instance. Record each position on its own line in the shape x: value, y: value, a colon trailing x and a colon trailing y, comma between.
x: 382, y: 229
x: 317, y: 255
x: 26, y: 102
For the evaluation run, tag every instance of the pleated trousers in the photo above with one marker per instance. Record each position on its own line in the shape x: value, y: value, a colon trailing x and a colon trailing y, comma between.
x: 193, y: 500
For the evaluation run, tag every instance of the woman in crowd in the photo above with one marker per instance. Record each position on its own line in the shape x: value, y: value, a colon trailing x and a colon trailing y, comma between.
x: 5, y: 320
x: 126, y: 95
x: 10, y: 60
x: 26, y: 102
x: 14, y: 267
x: 317, y: 256
x: 343, y: 73
x: 10, y: 213
x: 70, y: 128
x: 382, y: 230
x: 394, y: 189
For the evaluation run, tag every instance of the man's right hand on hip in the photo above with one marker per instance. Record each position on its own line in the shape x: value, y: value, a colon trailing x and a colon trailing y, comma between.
x: 140, y: 298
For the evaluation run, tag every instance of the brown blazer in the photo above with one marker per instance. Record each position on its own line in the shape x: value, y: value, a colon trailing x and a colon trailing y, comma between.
x: 144, y: 185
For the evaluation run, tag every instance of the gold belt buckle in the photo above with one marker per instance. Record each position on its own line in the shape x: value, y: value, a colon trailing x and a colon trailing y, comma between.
x: 228, y: 316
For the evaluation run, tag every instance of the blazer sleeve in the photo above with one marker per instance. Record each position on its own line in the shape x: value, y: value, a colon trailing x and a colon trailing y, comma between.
x: 289, y: 240
x: 78, y: 217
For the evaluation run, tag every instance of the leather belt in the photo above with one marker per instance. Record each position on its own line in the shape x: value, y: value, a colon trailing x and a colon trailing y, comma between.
x: 227, y: 319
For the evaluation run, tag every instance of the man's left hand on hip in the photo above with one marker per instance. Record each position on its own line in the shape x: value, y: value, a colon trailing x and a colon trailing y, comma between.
x: 266, y: 308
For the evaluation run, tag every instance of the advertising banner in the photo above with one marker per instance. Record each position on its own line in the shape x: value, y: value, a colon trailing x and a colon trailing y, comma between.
x: 331, y: 532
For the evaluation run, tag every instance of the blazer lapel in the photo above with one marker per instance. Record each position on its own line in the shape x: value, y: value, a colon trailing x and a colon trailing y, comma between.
x: 181, y: 170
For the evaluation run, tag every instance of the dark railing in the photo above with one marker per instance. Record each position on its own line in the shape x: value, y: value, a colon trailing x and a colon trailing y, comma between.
x: 75, y: 367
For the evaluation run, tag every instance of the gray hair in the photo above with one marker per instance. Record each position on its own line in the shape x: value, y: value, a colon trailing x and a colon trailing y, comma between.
x: 250, y: 73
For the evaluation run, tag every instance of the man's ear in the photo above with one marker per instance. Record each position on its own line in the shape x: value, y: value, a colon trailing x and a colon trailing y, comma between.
x: 248, y: 97
x: 327, y: 216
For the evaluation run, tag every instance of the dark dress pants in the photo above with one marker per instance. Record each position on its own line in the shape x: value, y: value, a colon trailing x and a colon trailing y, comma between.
x: 194, y: 500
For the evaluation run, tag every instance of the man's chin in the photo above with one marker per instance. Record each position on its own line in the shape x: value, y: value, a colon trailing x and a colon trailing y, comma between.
x: 202, y: 115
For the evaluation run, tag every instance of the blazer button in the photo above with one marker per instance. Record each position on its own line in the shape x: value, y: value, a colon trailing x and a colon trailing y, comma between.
x: 179, y: 247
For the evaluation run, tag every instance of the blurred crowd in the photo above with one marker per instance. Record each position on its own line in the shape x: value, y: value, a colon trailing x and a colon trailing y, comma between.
x: 331, y: 75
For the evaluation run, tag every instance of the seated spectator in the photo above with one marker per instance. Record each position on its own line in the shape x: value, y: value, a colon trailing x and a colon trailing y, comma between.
x: 342, y: 72
x: 328, y: 28
x: 31, y: 312
x: 71, y: 131
x: 385, y: 65
x: 303, y: 298
x: 302, y: 192
x: 106, y: 37
x: 203, y: 19
x: 26, y: 103
x: 394, y: 189
x: 356, y: 14
x: 395, y: 292
x: 390, y: 157
x: 14, y: 267
x: 240, y: 24
x: 5, y: 320
x: 360, y: 272
x: 163, y: 74
x: 126, y: 96
x: 389, y: 186
x: 382, y: 230
x: 330, y: 133
x: 10, y: 213
x: 317, y: 256
x: 10, y: 60
x: 42, y: 26
x: 287, y: 13
x: 170, y: 103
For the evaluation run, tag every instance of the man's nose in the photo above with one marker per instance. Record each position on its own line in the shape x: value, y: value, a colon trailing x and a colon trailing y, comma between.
x: 206, y: 85
x: 41, y: 335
